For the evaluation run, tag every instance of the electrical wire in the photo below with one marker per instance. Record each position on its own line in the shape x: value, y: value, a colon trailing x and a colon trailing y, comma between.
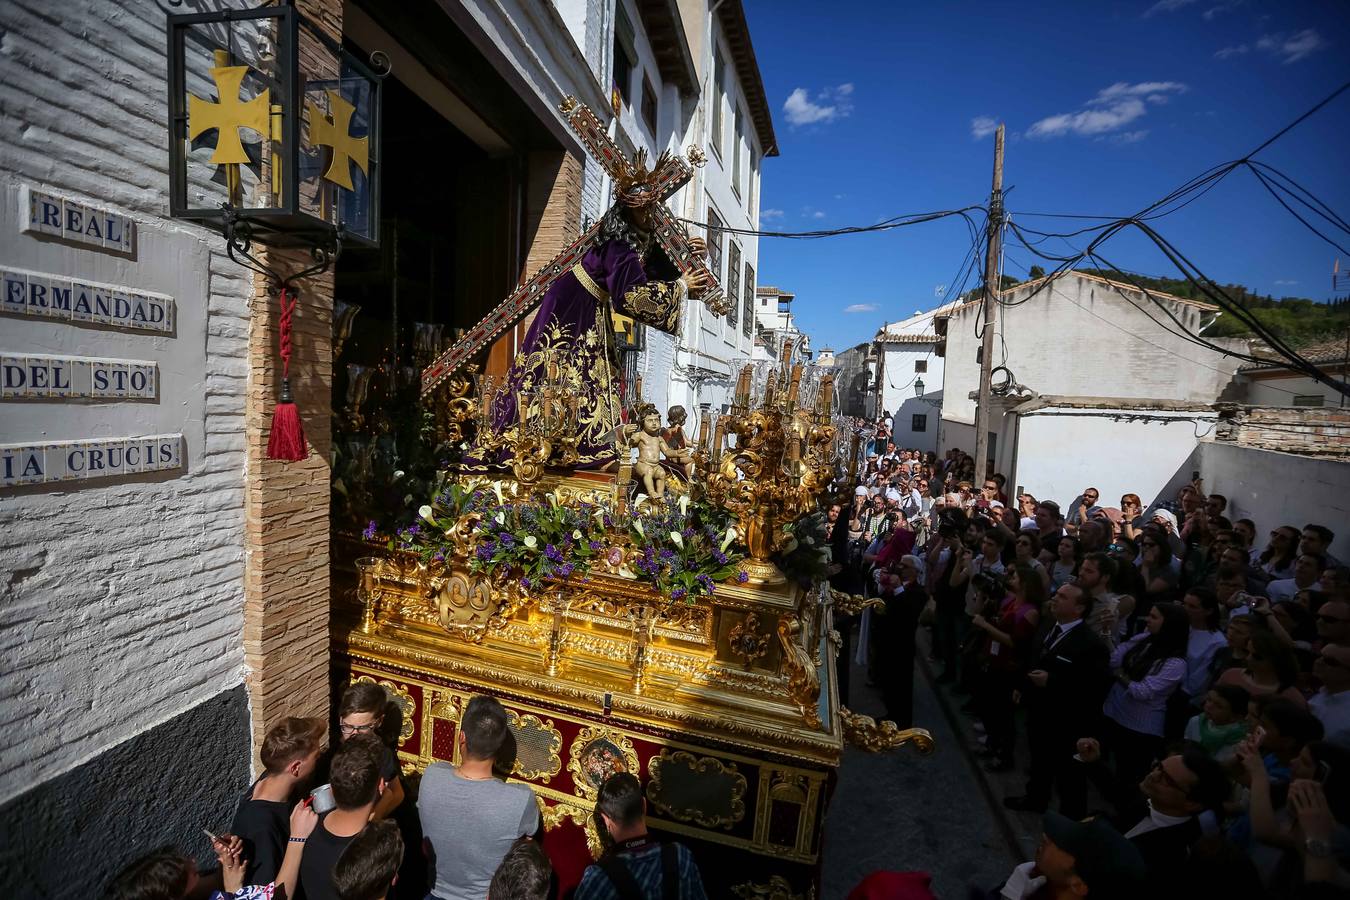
x: 884, y: 225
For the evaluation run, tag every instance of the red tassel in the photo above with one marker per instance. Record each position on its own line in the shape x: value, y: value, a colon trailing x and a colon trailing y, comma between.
x: 287, y: 440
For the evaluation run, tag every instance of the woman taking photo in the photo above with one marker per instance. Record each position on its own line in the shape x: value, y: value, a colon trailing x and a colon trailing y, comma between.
x: 1068, y: 554
x: 1131, y: 515
x: 1148, y: 667
x: 1005, y: 650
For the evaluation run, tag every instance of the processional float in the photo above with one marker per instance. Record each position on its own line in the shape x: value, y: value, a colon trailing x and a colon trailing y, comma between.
x: 682, y: 633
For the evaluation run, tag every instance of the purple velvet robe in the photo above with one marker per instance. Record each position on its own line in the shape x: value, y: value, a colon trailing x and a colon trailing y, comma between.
x: 573, y: 331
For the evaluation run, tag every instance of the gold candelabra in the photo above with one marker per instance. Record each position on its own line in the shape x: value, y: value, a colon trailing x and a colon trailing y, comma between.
x: 781, y: 460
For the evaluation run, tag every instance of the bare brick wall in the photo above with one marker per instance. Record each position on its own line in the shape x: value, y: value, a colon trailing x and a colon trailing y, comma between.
x: 1319, y: 431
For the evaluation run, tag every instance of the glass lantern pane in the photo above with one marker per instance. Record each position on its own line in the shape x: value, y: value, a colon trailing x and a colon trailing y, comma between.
x: 232, y: 142
x: 338, y: 119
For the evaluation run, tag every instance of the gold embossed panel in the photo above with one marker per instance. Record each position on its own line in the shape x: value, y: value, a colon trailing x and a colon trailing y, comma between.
x: 538, y: 747
x: 696, y: 789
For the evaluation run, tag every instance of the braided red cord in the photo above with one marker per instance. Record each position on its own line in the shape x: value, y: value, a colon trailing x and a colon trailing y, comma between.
x: 288, y: 301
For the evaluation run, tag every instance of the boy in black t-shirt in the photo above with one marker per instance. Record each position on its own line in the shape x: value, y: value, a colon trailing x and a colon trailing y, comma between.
x: 357, y: 786
x: 262, y: 820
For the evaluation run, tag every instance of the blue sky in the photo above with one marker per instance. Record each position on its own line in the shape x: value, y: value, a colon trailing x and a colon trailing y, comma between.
x: 883, y: 109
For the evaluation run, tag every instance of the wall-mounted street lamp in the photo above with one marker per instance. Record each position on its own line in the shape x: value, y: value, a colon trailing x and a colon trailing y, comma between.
x: 274, y: 132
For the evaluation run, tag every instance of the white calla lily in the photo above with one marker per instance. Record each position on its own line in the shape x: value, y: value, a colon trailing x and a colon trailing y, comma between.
x: 497, y: 489
x: 500, y: 518
x: 637, y: 525
x: 684, y: 505
x: 639, y: 500
x: 576, y: 534
x: 627, y: 572
x: 731, y: 536
x: 531, y: 541
x: 426, y: 512
x: 678, y: 539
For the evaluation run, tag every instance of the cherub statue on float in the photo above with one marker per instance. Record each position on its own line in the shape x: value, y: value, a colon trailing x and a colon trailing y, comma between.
x: 651, y: 446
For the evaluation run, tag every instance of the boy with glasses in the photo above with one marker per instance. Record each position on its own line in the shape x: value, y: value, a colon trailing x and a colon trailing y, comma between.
x: 361, y: 712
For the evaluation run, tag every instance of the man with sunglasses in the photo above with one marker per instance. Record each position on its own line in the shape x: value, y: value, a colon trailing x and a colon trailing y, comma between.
x: 1331, y: 704
x: 1333, y: 622
x: 1081, y: 509
x: 1178, y: 789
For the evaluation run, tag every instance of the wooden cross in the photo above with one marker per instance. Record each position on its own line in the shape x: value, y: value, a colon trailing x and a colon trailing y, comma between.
x: 670, y: 175
x: 228, y: 115
x: 335, y: 133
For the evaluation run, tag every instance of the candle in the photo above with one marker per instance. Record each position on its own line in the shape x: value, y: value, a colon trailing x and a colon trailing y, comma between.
x: 718, y: 438
x: 637, y: 389
x: 794, y: 387
x: 703, y: 432
x: 743, y: 387
x: 826, y: 397
x: 769, y: 388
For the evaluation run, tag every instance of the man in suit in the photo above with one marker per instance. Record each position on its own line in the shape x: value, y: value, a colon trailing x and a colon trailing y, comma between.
x: 1178, y: 789
x: 1065, y: 687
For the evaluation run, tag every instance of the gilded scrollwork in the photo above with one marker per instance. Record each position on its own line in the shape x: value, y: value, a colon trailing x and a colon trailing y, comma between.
x: 778, y: 888
x: 552, y: 752
x: 596, y: 753
x: 868, y: 734
x: 703, y: 768
x: 747, y: 641
x: 853, y: 604
x: 803, y: 679
x: 583, y: 817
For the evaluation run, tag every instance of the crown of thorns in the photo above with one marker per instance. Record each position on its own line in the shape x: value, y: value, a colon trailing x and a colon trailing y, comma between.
x: 637, y: 186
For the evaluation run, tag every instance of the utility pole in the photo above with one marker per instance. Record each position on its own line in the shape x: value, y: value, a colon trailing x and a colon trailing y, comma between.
x: 990, y: 317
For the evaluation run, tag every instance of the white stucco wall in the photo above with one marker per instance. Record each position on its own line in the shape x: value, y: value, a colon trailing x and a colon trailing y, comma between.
x: 1274, y: 489
x: 1280, y: 390
x: 1059, y: 455
x: 1081, y: 337
x: 899, y: 377
x: 120, y: 600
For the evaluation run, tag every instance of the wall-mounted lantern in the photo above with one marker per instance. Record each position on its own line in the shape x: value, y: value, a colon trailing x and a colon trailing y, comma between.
x: 274, y: 131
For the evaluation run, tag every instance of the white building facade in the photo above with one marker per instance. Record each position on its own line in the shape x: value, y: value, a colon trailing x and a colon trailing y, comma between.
x: 910, y: 379
x: 1086, y: 363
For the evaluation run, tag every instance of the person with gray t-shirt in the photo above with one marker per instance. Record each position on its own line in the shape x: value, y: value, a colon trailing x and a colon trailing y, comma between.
x: 470, y: 818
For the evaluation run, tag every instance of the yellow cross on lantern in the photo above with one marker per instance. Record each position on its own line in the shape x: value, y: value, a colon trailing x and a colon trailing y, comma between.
x: 228, y: 115
x: 335, y: 134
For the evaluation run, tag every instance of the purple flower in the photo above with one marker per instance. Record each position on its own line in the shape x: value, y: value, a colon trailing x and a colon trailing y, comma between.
x: 485, y: 551
x: 687, y: 533
x: 719, y: 557
x: 551, y: 552
x: 565, y: 570
x: 705, y: 582
x: 608, y: 522
x: 595, y: 545
x: 414, y: 529
x: 677, y: 594
x: 742, y: 577
x: 667, y: 553
x: 507, y: 539
x: 440, y: 556
x: 371, y: 530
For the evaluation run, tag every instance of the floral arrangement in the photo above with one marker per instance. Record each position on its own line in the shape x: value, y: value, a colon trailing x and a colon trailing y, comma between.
x: 805, y: 558
x: 680, y: 547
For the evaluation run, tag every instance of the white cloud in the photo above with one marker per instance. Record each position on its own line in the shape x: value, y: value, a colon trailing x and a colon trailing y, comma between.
x: 1110, y: 110
x: 817, y: 215
x: 1215, y: 11
x: 1294, y: 47
x: 771, y: 213
x: 1286, y: 281
x: 828, y: 105
x: 1167, y: 6
x: 1130, y: 137
x: 1235, y: 50
x: 862, y: 307
x: 983, y: 126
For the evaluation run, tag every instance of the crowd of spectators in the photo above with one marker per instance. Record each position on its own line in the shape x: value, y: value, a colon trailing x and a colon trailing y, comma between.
x: 470, y: 834
x: 1166, y: 666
